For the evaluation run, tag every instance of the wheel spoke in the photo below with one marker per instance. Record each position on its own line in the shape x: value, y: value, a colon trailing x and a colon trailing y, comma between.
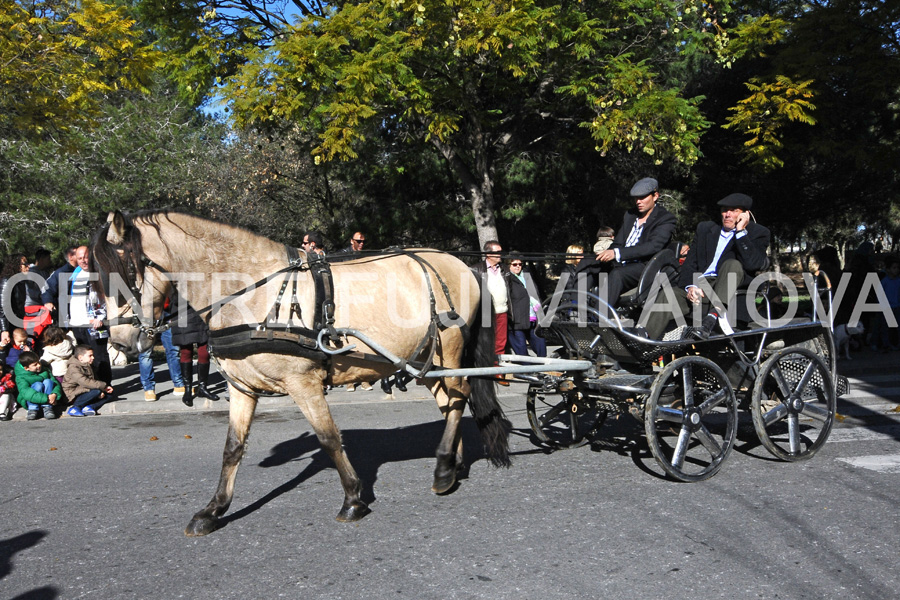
x: 552, y: 413
x: 687, y: 374
x: 709, y: 442
x: 782, y: 383
x: 684, y: 437
x: 807, y: 375
x: 672, y: 415
x: 713, y: 401
x: 794, y: 434
x: 775, y: 415
x: 814, y: 411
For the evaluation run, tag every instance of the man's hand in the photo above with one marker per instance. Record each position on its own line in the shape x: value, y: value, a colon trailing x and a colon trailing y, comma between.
x: 109, y: 389
x: 741, y: 223
x: 606, y: 256
x: 695, y: 294
x: 50, y: 306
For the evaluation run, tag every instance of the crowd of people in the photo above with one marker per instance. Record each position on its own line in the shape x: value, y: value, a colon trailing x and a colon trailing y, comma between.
x: 53, y: 346
x: 55, y: 358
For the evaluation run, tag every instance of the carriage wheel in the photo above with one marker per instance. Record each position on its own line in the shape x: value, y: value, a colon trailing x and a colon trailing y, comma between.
x: 561, y: 419
x: 793, y: 403
x: 690, y: 418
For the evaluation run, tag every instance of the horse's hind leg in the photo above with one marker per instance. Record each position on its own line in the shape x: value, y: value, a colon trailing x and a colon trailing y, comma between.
x: 450, y: 394
x: 307, y: 394
x: 241, y: 411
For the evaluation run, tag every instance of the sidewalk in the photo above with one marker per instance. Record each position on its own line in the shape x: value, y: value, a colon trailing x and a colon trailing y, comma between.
x: 130, y: 394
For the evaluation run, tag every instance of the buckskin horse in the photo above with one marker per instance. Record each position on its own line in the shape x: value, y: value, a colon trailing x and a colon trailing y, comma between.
x: 276, y: 316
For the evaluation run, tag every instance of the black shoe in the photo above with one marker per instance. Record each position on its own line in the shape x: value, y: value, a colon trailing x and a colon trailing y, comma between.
x: 386, y: 385
x: 400, y: 384
x: 706, y: 327
x: 201, y: 391
x: 5, y: 417
x: 202, y: 377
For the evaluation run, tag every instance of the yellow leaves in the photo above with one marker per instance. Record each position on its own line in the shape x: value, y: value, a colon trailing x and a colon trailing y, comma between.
x: 762, y: 115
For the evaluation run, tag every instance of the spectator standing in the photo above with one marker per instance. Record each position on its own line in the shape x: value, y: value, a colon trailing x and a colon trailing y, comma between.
x: 82, y: 387
x: 188, y: 330
x: 493, y: 279
x: 12, y: 314
x: 86, y: 313
x: 50, y: 291
x: 173, y: 360
x: 523, y: 311
x: 38, y: 390
x: 890, y: 283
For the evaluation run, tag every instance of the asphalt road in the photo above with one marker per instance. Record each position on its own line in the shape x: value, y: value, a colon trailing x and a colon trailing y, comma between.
x: 96, y: 507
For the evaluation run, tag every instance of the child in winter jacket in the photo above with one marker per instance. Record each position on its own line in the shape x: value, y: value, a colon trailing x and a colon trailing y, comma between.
x: 57, y: 351
x: 38, y: 390
x: 86, y: 392
x: 7, y: 393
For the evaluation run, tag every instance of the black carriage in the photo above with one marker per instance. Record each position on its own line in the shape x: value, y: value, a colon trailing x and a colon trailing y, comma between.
x: 687, y: 392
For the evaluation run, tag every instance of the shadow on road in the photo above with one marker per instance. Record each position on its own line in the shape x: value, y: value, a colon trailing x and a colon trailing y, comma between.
x: 10, y: 547
x: 368, y: 450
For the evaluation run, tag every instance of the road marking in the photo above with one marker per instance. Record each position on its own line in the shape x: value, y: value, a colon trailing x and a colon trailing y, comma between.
x: 883, y: 463
x: 878, y: 433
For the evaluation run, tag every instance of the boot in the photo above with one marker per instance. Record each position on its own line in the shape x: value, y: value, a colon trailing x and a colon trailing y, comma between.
x: 187, y: 374
x: 202, y: 377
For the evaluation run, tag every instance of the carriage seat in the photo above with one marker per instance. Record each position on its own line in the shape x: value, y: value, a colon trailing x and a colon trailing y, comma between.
x: 665, y: 262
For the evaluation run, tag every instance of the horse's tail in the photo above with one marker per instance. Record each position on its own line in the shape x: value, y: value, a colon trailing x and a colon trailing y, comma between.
x: 483, y: 402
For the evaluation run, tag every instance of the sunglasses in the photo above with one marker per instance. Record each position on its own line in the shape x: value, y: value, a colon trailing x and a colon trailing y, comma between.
x: 360, y: 241
x: 515, y: 264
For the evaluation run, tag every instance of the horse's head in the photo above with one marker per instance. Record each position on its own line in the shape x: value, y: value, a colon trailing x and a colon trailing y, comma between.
x: 134, y: 294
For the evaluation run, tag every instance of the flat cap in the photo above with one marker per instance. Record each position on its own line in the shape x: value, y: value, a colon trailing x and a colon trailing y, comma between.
x: 645, y: 186
x: 737, y: 201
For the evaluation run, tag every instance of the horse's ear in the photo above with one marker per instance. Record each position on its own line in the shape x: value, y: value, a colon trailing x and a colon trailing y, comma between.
x: 116, y: 233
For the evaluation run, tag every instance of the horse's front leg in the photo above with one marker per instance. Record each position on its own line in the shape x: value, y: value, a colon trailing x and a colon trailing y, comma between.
x: 241, y: 411
x: 306, y: 391
x: 450, y: 394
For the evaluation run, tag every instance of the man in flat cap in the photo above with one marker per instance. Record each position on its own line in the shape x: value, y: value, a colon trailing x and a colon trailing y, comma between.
x: 726, y: 256
x: 646, y: 229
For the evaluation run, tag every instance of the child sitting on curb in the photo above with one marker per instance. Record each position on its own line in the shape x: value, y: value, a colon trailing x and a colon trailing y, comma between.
x: 38, y: 390
x: 84, y: 390
x: 7, y: 393
x: 57, y: 351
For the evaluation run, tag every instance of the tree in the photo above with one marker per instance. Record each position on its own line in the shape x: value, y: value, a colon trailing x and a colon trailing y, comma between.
x: 60, y: 58
x: 480, y: 82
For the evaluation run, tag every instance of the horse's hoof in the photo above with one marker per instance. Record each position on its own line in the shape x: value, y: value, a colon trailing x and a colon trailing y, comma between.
x: 444, y: 483
x: 353, y: 512
x: 201, y: 526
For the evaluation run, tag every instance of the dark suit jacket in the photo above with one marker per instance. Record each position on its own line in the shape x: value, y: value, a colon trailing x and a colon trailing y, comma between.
x: 656, y: 235
x: 749, y: 249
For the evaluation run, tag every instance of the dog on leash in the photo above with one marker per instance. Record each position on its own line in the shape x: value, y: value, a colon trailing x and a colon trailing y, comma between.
x: 842, y: 335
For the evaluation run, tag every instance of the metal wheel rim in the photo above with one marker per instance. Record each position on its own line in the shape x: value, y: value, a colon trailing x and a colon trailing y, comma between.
x: 790, y: 396
x: 704, y: 426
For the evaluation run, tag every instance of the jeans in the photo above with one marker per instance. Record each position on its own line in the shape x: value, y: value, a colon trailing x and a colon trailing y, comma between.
x: 145, y: 363
x: 88, y: 399
x: 517, y: 339
x: 44, y: 387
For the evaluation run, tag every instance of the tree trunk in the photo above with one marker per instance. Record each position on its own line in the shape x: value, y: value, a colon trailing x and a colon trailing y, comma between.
x: 478, y: 187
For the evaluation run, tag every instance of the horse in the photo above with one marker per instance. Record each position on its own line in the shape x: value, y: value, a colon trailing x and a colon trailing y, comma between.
x: 278, y: 320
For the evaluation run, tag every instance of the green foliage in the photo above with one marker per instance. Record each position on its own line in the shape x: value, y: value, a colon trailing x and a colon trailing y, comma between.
x: 59, y: 58
x: 763, y: 114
